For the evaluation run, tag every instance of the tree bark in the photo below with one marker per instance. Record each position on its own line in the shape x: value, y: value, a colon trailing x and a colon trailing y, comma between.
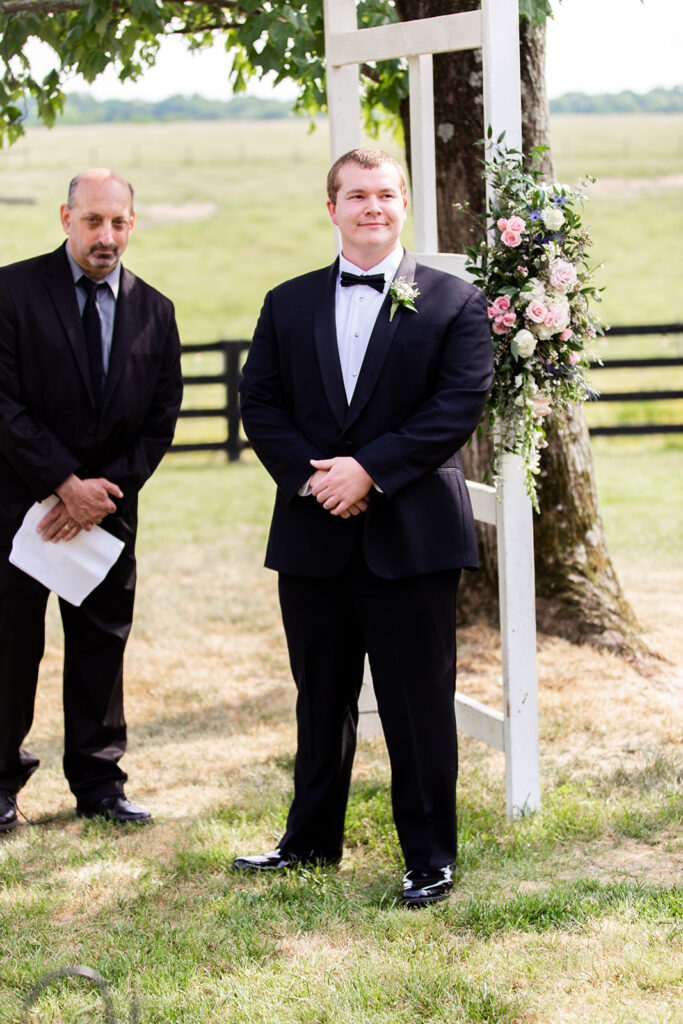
x: 578, y: 594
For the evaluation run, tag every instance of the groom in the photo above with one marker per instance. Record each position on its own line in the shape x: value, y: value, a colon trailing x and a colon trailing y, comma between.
x: 363, y: 382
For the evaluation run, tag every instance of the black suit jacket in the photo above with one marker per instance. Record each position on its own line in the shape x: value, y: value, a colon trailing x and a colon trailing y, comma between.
x: 49, y: 426
x: 420, y: 394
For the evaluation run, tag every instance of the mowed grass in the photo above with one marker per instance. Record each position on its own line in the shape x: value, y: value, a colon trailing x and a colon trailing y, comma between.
x: 572, y: 915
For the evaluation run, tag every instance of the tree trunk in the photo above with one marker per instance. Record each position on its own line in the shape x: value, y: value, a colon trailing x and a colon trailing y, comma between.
x: 578, y: 594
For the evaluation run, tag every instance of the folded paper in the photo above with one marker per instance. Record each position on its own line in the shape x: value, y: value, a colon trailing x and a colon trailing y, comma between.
x: 72, y: 568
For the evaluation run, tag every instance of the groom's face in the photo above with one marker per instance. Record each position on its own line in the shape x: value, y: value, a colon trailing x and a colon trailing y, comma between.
x: 370, y: 211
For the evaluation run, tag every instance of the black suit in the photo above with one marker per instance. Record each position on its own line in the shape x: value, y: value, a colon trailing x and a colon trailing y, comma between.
x: 383, y: 582
x: 49, y: 429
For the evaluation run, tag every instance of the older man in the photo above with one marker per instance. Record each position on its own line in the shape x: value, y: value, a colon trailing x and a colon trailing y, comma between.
x: 90, y: 387
x: 363, y: 382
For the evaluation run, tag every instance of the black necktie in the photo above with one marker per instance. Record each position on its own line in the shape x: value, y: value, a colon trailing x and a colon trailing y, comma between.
x: 92, y: 326
x: 375, y: 281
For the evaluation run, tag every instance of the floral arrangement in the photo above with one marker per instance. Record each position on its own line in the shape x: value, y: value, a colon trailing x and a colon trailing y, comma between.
x: 532, y: 268
x: 403, y: 293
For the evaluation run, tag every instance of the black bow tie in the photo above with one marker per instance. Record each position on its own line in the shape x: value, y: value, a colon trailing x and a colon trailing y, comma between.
x: 375, y: 281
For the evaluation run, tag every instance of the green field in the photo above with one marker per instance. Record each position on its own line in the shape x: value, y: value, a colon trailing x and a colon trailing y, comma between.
x: 572, y: 916
x: 226, y: 210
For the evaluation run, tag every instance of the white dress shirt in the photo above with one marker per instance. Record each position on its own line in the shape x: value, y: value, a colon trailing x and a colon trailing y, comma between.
x: 356, y: 309
x: 106, y: 302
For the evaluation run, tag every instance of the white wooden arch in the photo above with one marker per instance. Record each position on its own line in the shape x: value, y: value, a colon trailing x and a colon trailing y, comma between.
x: 495, y: 30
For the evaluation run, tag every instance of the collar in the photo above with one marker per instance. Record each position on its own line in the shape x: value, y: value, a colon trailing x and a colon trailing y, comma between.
x: 388, y: 266
x: 113, y: 278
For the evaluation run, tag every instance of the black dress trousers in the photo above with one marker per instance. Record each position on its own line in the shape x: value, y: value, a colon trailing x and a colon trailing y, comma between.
x: 407, y: 628
x: 95, y: 636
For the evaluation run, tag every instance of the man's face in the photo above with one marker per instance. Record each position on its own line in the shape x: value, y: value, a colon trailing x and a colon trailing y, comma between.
x: 369, y: 211
x: 98, y: 224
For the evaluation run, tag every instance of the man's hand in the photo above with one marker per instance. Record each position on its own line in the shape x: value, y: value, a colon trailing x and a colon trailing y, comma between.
x: 82, y: 504
x: 341, y: 485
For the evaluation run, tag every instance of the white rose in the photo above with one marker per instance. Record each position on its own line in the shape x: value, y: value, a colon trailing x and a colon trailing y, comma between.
x: 526, y: 343
x: 553, y: 218
x: 533, y: 290
x: 560, y: 304
x: 542, y: 332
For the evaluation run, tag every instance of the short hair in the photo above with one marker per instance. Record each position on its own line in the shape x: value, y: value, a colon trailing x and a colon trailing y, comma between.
x: 73, y: 185
x: 368, y: 158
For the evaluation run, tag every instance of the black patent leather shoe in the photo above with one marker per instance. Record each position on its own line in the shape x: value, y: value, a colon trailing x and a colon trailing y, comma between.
x: 276, y: 860
x: 115, y: 807
x: 8, y: 811
x: 423, y: 887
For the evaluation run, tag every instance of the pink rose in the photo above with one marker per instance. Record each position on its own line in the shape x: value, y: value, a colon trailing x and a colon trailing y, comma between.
x: 502, y: 224
x: 492, y: 312
x: 502, y: 304
x: 573, y: 356
x: 542, y: 405
x: 516, y: 224
x: 499, y: 327
x: 562, y: 276
x: 510, y: 238
x: 553, y: 318
x: 536, y: 312
x: 566, y: 335
x: 509, y: 318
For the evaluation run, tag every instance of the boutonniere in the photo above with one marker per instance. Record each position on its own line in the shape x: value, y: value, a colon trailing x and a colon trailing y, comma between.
x: 403, y: 293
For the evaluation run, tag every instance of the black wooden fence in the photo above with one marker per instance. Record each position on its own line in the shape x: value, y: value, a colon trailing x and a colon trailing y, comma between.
x: 232, y: 353
x: 641, y: 396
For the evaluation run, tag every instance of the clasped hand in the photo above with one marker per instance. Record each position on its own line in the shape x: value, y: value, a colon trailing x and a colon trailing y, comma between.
x: 341, y: 485
x: 82, y: 504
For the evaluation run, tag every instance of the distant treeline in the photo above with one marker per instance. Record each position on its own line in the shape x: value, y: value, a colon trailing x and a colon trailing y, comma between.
x: 83, y: 109
x: 657, y: 101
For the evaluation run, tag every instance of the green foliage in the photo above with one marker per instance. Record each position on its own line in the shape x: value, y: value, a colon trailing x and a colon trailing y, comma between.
x: 81, y: 108
x: 284, y: 38
x: 536, y: 11
x: 656, y: 101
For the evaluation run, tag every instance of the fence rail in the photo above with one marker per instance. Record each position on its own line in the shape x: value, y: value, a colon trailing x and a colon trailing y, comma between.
x: 233, y: 351
x: 656, y: 362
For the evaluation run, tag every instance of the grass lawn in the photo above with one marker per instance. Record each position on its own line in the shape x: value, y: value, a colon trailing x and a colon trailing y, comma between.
x: 572, y: 915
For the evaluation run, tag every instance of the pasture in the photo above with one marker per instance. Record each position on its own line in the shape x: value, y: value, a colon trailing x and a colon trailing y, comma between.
x: 572, y: 915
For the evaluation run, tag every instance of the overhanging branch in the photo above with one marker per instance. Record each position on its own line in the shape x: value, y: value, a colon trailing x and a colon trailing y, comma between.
x: 61, y: 6
x: 39, y: 6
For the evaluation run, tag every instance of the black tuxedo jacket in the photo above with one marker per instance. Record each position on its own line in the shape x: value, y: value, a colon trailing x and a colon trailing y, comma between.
x: 420, y: 394
x: 49, y: 426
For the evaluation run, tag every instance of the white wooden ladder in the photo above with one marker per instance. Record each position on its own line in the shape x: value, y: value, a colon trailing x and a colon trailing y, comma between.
x: 494, y: 29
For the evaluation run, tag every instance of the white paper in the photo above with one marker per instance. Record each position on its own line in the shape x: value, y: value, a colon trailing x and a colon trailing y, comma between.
x: 72, y: 568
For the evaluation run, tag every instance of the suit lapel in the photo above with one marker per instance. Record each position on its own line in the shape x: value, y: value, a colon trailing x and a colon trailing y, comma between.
x: 125, y: 330
x: 378, y: 347
x: 61, y: 287
x: 325, y: 328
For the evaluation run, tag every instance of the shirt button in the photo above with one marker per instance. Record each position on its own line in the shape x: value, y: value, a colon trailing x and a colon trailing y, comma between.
x: 355, y: 334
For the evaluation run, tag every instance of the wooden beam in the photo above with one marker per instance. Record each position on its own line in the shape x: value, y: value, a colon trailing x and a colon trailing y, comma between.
x: 478, y: 721
x: 405, y: 39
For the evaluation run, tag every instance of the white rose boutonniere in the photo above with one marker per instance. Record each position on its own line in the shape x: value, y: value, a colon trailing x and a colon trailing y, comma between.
x: 403, y: 293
